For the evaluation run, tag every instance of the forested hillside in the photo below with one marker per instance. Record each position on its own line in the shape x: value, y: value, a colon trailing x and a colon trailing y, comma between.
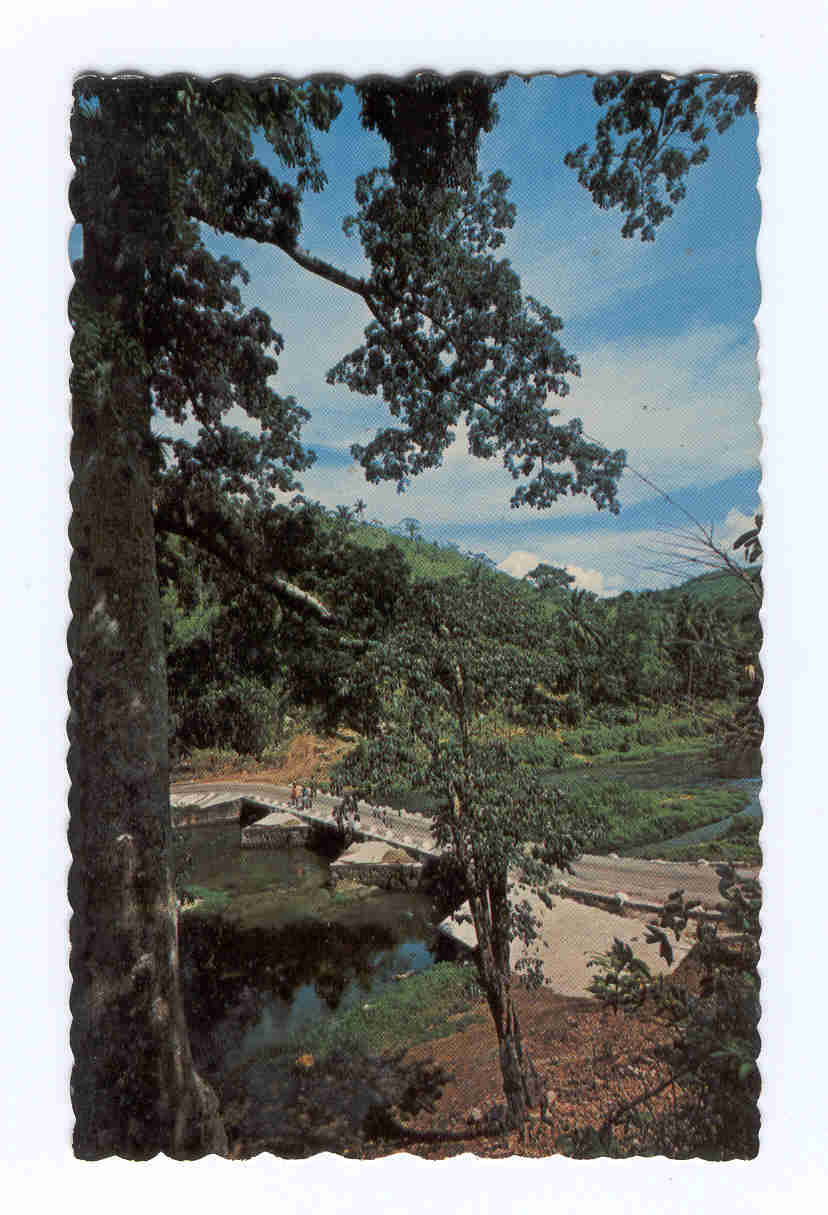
x: 243, y: 673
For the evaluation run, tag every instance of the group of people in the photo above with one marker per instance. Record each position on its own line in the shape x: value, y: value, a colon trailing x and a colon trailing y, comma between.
x: 301, y: 796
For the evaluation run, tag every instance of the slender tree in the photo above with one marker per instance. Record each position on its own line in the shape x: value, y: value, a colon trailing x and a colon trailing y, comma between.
x: 464, y: 645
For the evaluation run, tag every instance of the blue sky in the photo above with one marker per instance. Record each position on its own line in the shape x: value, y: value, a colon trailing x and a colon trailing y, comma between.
x: 663, y: 332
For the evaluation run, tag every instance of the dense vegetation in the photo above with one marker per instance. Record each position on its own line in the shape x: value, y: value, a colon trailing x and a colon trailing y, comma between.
x: 713, y: 1049
x: 617, y: 677
x: 265, y: 607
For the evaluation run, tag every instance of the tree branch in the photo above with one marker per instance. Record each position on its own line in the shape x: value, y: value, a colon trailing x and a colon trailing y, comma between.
x: 358, y: 286
x: 322, y: 269
x: 286, y: 592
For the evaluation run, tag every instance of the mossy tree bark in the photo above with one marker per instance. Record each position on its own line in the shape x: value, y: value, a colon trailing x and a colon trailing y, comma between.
x: 135, y: 1090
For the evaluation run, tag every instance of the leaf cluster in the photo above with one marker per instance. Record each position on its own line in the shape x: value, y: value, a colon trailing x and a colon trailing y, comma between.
x: 715, y: 1045
x: 454, y: 339
x: 654, y: 131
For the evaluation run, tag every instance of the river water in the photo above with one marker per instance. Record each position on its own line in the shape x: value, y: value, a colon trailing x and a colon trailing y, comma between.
x: 271, y: 949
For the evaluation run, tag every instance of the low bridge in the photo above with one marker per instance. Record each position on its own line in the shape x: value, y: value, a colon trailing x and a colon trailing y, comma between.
x: 391, y: 849
x: 605, y: 897
x: 252, y: 804
x: 268, y: 820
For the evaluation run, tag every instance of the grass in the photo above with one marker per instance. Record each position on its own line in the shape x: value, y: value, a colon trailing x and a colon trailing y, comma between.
x: 429, y: 1004
x: 210, y: 902
x: 634, y: 817
x: 598, y: 739
x: 740, y: 843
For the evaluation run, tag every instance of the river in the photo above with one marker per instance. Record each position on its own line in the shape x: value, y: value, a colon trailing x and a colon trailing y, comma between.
x: 271, y: 949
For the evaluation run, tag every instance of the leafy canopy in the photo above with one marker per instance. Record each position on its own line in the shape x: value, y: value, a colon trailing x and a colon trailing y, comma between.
x: 655, y: 129
x: 453, y: 340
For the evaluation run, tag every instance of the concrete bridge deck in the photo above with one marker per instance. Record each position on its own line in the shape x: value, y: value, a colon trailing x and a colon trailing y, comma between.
x: 194, y: 802
x: 642, y: 884
x: 581, y: 922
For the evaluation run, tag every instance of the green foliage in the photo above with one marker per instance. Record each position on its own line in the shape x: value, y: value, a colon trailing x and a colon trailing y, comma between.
x: 474, y: 348
x: 713, y: 1052
x: 623, y: 980
x: 572, y: 710
x: 632, y: 817
x: 550, y: 578
x: 433, y: 124
x: 175, y: 153
x: 654, y: 131
x: 240, y: 714
x: 738, y: 844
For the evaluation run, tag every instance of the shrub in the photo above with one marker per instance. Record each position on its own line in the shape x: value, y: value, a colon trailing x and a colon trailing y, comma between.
x: 713, y: 1053
x: 242, y: 716
x: 650, y: 735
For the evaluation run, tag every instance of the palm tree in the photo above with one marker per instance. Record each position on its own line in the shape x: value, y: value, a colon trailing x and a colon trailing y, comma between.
x: 580, y: 631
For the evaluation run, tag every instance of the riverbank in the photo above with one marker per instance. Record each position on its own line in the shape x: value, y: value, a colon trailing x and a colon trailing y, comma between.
x: 616, y: 737
x: 430, y: 1083
x: 288, y: 999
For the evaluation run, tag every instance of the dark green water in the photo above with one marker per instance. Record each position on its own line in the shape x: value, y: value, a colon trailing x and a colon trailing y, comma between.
x: 271, y: 949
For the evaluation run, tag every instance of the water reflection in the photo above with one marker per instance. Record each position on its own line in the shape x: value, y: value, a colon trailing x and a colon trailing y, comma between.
x: 283, y: 950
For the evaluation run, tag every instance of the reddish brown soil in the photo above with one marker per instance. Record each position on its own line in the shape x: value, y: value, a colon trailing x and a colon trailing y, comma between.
x: 591, y: 1061
x: 308, y: 756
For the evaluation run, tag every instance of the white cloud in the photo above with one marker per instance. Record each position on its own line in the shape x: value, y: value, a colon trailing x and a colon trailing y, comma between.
x: 594, y: 580
x: 603, y: 561
x: 735, y: 524
x: 519, y: 563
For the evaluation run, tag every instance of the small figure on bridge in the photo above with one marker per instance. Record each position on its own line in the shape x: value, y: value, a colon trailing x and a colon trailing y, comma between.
x: 294, y: 794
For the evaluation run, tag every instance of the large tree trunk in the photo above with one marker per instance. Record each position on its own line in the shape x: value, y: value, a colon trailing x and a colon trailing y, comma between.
x: 134, y: 1087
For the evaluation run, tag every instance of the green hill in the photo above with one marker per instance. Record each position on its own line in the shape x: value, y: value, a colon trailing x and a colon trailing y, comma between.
x: 715, y: 587
x: 428, y: 560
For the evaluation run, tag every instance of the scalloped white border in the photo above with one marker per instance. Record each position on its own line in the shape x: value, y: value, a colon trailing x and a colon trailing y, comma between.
x: 42, y: 48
